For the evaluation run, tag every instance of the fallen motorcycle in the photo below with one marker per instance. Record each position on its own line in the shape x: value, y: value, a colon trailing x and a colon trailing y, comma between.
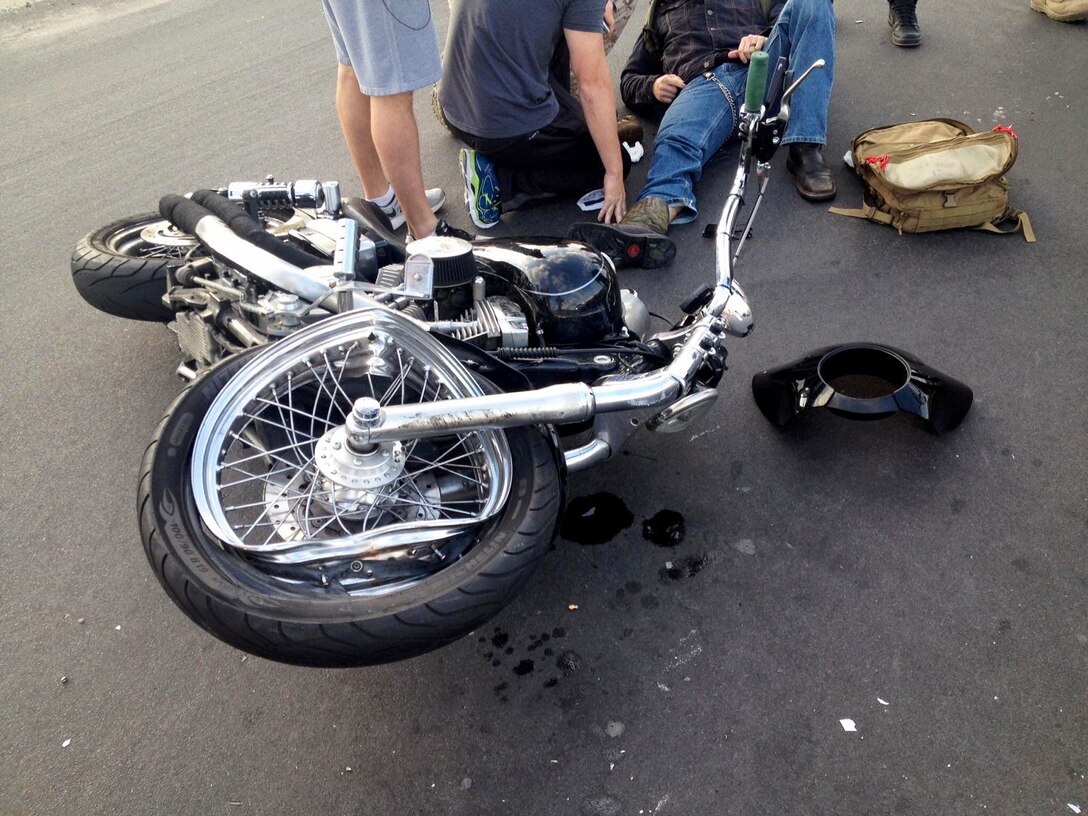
x: 370, y: 455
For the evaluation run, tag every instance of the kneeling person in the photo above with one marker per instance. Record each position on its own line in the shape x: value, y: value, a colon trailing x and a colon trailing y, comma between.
x: 505, y: 93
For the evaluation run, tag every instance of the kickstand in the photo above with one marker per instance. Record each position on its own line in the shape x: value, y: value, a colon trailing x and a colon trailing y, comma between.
x: 747, y: 231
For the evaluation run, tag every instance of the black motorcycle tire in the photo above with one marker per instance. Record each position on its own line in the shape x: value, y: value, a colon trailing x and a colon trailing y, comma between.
x: 244, y: 607
x: 117, y: 272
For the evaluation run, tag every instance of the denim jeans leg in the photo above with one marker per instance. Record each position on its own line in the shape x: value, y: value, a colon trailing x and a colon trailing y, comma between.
x: 696, y: 124
x: 804, y: 33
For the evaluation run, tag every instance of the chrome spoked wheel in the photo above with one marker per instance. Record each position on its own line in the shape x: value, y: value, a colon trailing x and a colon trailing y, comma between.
x: 277, y: 479
x: 155, y: 239
x: 123, y: 268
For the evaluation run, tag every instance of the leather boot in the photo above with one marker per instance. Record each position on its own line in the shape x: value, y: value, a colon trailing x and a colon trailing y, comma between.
x: 638, y: 240
x: 810, y: 172
x: 629, y: 129
x: 903, y: 18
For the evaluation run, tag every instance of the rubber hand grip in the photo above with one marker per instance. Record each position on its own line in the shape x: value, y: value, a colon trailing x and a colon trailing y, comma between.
x: 757, y: 81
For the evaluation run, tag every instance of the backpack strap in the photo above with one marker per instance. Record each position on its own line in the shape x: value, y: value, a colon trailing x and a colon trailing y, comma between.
x: 1014, y: 221
x: 766, y: 6
x: 866, y: 212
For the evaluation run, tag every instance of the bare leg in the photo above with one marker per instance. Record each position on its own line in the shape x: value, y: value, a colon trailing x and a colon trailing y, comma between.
x: 353, y: 109
x: 396, y: 137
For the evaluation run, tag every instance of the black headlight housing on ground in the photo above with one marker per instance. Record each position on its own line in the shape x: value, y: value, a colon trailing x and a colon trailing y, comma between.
x: 862, y: 381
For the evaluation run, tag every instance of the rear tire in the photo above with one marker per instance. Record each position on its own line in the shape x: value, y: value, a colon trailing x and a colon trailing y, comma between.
x: 121, y: 268
x: 238, y: 601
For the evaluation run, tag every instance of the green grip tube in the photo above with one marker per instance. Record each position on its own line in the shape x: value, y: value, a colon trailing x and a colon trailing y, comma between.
x: 757, y: 81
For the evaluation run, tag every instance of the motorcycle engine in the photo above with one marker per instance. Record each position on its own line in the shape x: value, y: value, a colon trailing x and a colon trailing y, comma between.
x: 519, y: 293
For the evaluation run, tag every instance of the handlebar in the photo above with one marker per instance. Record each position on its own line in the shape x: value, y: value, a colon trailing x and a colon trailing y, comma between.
x: 727, y: 301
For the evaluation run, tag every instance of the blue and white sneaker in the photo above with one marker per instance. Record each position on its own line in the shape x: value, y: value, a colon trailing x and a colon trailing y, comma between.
x: 436, y: 200
x: 481, y: 189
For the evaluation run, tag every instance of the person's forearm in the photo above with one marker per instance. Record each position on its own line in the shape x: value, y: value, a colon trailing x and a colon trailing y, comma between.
x: 599, y: 106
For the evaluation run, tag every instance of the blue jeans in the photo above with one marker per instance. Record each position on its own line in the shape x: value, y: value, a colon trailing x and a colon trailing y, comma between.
x: 702, y: 118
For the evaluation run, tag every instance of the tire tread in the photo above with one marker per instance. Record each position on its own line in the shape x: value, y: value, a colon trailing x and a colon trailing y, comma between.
x: 380, y: 639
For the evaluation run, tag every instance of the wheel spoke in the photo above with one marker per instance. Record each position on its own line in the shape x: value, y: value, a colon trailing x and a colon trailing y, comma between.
x: 290, y: 410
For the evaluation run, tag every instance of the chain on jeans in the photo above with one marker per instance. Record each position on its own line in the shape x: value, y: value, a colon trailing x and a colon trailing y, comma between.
x: 728, y: 96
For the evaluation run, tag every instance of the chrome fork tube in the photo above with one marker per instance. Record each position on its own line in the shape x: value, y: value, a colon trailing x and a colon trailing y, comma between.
x: 556, y: 404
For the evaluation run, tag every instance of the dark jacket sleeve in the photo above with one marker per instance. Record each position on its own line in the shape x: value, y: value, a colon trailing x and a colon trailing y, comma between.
x: 637, y: 81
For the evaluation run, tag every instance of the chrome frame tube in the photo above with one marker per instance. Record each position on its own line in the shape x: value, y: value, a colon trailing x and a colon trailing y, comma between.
x: 215, y: 234
x: 592, y: 453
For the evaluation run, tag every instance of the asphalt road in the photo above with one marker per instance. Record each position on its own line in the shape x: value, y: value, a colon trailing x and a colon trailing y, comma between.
x: 933, y: 590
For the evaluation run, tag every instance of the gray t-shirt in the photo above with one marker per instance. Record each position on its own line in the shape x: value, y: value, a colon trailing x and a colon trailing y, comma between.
x: 495, y: 77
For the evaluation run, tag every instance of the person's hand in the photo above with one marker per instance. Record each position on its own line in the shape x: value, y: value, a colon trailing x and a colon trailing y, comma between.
x: 615, y: 199
x: 609, y: 16
x: 667, y: 86
x: 749, y: 44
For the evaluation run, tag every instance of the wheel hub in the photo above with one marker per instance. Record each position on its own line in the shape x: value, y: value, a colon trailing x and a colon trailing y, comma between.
x: 358, y: 470
x: 162, y: 233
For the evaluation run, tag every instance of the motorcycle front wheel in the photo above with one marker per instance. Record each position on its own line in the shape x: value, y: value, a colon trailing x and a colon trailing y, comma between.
x: 257, y: 538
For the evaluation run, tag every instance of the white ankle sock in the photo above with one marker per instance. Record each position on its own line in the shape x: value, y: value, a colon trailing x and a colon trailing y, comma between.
x: 384, y: 200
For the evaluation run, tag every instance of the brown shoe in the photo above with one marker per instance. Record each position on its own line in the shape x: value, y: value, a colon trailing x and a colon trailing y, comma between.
x: 638, y: 240
x: 629, y: 129
x: 810, y: 172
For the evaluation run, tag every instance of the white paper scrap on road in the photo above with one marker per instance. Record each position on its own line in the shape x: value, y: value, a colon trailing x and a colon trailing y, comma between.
x: 593, y: 200
x: 848, y: 725
x: 68, y: 742
x: 1072, y: 807
x: 882, y: 702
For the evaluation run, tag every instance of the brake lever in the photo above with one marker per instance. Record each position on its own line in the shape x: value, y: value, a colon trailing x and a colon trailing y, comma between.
x: 789, y: 91
x: 782, y: 118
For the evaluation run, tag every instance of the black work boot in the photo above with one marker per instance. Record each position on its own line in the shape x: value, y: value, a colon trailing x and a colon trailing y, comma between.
x: 903, y: 18
x: 810, y: 172
x: 638, y: 240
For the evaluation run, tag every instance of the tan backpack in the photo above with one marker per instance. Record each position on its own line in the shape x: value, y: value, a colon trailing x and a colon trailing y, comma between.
x: 937, y: 174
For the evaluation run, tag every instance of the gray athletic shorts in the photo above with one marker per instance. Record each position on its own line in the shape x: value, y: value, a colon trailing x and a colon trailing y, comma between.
x: 391, y: 44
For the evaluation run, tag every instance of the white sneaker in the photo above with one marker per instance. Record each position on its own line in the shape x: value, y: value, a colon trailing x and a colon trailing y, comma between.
x: 436, y: 200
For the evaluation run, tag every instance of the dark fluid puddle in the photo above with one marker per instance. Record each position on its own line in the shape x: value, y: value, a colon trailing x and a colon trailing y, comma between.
x: 685, y: 568
x: 523, y: 668
x: 665, y: 529
x: 595, y: 519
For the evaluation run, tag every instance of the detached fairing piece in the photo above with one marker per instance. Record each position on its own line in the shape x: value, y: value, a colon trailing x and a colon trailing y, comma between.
x: 862, y: 381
